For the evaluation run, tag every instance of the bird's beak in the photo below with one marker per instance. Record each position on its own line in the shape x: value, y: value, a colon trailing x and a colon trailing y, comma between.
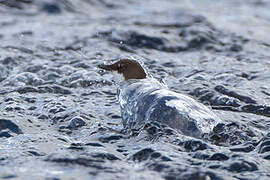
x: 111, y: 67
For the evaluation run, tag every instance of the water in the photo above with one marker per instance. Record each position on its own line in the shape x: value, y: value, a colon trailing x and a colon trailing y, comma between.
x: 148, y: 100
x: 59, y: 114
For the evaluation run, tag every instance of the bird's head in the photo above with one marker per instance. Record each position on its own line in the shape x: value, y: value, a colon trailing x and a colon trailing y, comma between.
x: 130, y: 69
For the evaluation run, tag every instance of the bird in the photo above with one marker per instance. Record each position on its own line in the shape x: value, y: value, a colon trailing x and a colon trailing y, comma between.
x: 144, y: 99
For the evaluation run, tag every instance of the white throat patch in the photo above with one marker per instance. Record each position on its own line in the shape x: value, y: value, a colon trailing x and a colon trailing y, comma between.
x: 117, y: 77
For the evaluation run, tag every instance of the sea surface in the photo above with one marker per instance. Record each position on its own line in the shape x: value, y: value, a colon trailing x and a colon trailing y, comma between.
x: 59, y: 114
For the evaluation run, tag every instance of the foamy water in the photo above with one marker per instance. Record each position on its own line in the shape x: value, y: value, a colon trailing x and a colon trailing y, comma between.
x: 148, y: 100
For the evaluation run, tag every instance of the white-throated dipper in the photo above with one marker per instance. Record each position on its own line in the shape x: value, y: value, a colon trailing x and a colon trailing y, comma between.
x: 144, y: 99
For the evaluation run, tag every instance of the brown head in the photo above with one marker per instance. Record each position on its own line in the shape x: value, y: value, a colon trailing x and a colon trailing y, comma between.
x: 130, y: 69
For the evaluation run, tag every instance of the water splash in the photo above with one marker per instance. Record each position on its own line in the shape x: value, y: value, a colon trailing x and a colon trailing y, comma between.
x: 149, y: 100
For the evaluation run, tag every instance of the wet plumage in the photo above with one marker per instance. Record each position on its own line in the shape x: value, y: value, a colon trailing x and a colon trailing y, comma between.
x: 144, y: 99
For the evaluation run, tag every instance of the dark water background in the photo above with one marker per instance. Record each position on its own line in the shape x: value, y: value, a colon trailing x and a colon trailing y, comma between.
x: 59, y: 115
